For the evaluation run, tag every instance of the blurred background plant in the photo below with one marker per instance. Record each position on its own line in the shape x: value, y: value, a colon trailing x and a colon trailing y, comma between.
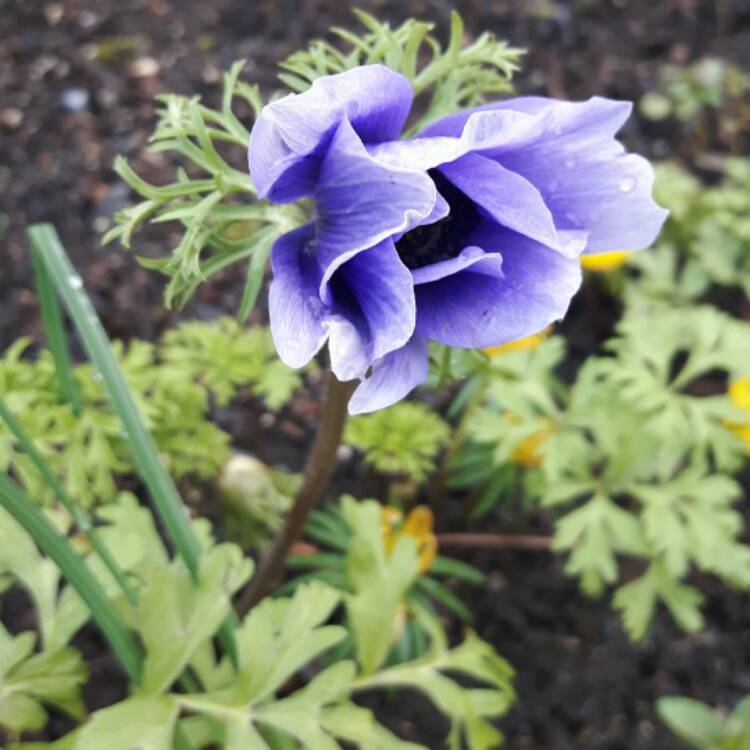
x: 710, y: 92
x: 177, y: 383
x: 704, y: 728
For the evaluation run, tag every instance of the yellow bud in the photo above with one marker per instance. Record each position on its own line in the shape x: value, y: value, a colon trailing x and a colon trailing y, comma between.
x: 527, y: 453
x: 419, y: 522
x: 739, y: 393
x: 603, y: 262
x: 419, y: 525
x: 427, y: 553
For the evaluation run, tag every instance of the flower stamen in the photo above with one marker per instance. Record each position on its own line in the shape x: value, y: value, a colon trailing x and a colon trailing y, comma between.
x: 444, y: 239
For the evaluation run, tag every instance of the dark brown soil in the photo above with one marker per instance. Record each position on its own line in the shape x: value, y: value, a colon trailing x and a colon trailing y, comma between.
x: 65, y: 114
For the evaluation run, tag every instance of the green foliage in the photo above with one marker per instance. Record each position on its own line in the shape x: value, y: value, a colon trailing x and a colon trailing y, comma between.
x: 636, y: 459
x: 29, y: 681
x: 644, y: 452
x: 468, y: 708
x: 210, y: 198
x: 703, y: 728
x: 352, y: 537
x: 379, y: 581
x: 509, y: 407
x: 225, y: 356
x: 177, y: 618
x: 705, y: 242
x: 686, y: 92
x: 652, y: 378
x: 515, y: 398
x: 453, y: 78
x: 403, y: 439
x: 173, y: 383
x: 60, y: 612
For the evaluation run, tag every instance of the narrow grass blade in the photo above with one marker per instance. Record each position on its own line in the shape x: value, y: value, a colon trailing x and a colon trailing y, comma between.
x: 46, y: 245
x: 174, y: 514
x: 81, y: 518
x: 76, y: 573
x: 55, y: 334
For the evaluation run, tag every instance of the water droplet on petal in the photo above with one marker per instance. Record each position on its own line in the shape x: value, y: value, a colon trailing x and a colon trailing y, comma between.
x: 75, y: 282
x: 627, y: 184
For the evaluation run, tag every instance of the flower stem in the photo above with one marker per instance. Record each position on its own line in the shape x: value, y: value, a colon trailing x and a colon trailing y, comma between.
x: 318, y: 469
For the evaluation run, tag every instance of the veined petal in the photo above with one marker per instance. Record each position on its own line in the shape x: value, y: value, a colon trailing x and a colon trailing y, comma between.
x: 392, y: 377
x: 295, y: 309
x: 488, y: 128
x: 417, y: 153
x: 291, y: 134
x: 568, y: 151
x: 611, y: 199
x: 511, y: 200
x: 586, y: 178
x: 361, y: 202
x: 532, y: 106
x: 476, y: 310
x: 373, y: 310
x: 472, y: 257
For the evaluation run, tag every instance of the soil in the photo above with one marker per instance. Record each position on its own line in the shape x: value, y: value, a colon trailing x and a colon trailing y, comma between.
x: 77, y: 81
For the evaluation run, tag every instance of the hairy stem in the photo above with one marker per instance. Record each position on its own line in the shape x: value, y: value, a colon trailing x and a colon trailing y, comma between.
x: 318, y: 469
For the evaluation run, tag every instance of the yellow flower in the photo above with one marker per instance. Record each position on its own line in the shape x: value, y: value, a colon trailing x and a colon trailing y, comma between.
x: 739, y: 393
x: 603, y: 262
x: 419, y: 525
x: 530, y: 342
x: 527, y: 452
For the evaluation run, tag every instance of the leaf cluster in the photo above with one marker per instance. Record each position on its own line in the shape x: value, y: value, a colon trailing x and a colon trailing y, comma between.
x: 341, y: 535
x: 452, y: 78
x: 686, y: 91
x: 704, y: 244
x: 637, y: 459
x: 704, y: 728
x: 404, y: 439
x: 174, y: 381
x: 211, y: 198
x: 248, y: 705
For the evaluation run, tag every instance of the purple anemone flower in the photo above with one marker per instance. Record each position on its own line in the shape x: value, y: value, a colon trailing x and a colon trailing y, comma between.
x: 467, y: 234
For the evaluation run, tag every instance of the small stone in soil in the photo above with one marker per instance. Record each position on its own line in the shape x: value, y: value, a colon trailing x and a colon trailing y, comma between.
x: 75, y: 99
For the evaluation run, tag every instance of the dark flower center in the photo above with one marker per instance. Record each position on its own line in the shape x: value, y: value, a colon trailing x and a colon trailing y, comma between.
x: 444, y: 239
